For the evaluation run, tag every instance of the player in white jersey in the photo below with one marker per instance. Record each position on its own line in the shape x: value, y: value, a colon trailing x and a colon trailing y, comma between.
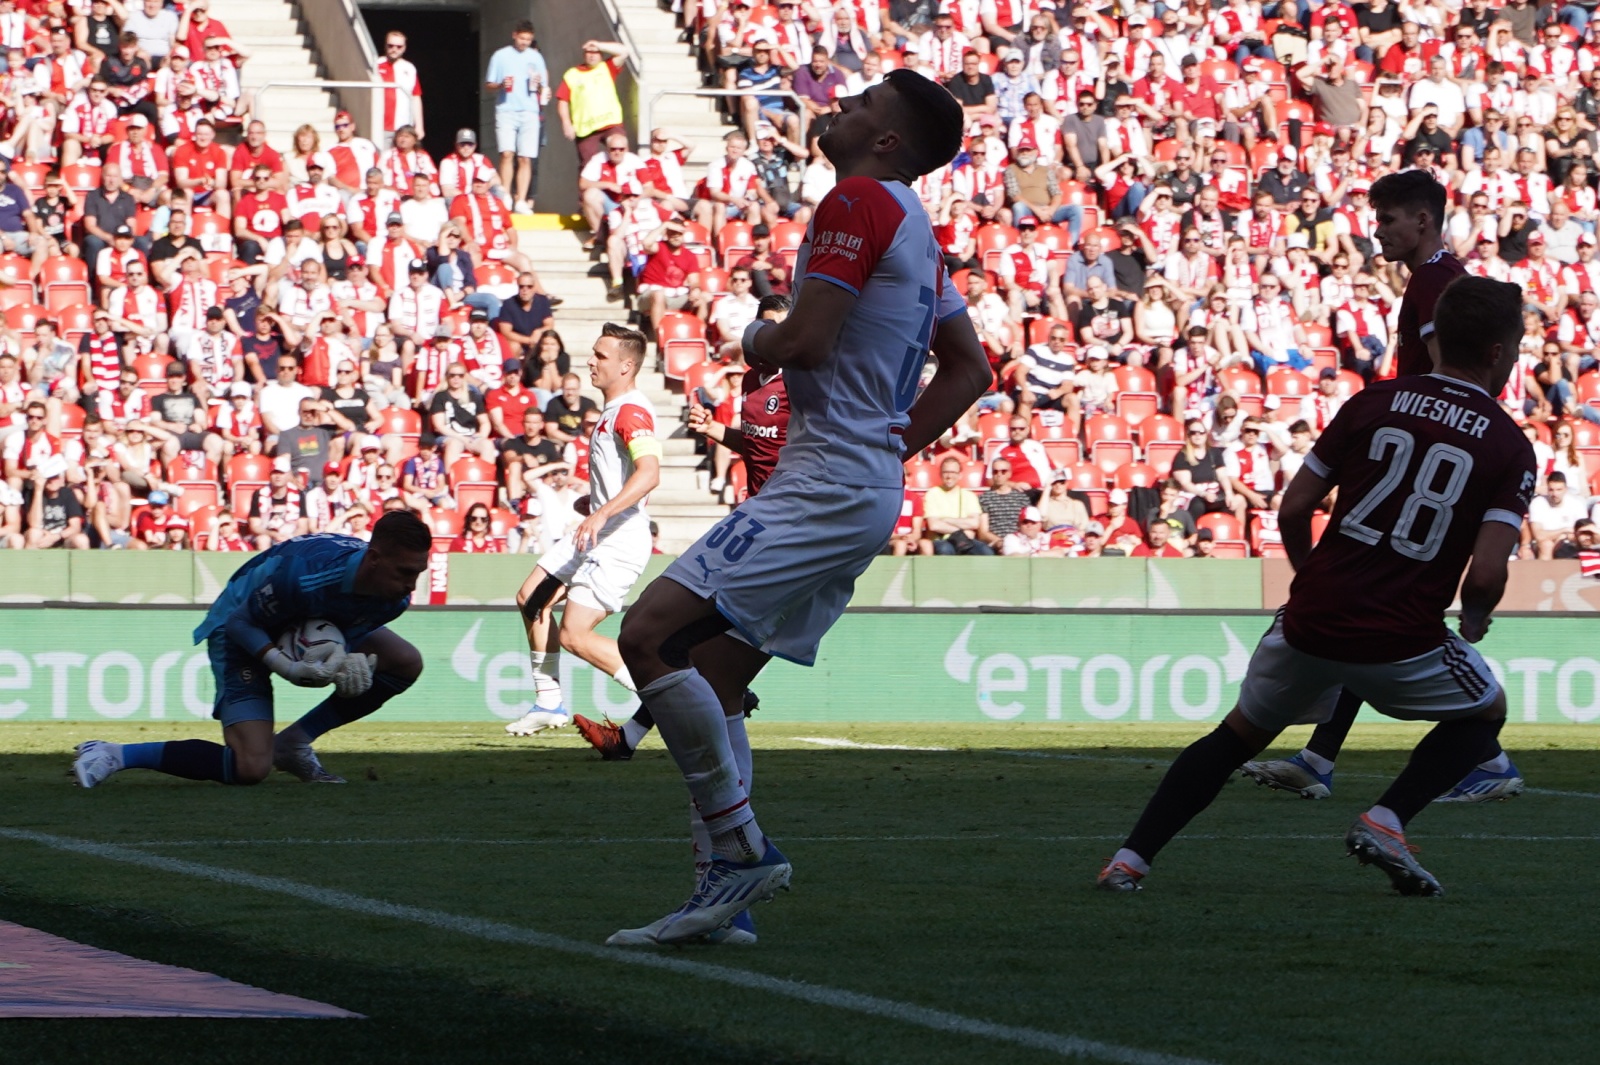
x: 596, y: 566
x: 779, y: 570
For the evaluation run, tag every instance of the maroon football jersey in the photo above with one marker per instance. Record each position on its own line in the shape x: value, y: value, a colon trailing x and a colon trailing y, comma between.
x: 1421, y: 463
x: 1416, y: 312
x: 764, y: 421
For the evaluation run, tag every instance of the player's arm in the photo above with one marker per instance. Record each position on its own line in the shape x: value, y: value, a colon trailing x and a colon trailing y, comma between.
x: 806, y: 338
x: 1485, y: 581
x: 701, y: 421
x: 637, y: 431
x: 1300, y: 501
x: 963, y: 375
x: 274, y: 596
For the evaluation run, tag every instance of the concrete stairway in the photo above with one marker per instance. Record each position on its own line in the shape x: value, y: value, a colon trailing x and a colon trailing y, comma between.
x: 668, y: 63
x: 269, y: 31
x: 683, y: 509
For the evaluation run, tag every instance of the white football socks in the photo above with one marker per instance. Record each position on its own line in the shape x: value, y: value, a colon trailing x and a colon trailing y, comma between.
x: 1498, y: 764
x: 624, y: 678
x: 695, y: 730
x: 546, y: 679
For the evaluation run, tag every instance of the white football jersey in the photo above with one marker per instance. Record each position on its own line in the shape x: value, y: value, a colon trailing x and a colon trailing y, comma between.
x: 625, y: 432
x: 874, y: 239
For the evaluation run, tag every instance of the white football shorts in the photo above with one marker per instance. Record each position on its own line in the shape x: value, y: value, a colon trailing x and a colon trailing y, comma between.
x: 783, y: 565
x: 602, y: 576
x: 1286, y: 687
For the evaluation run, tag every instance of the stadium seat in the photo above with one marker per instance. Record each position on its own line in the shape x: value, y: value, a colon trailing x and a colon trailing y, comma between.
x: 76, y: 322
x: 198, y: 495
x: 681, y: 339
x: 1319, y: 335
x: 1588, y: 388
x: 992, y: 425
x: 1584, y: 433
x: 1158, y: 427
x: 1039, y: 330
x: 72, y: 416
x: 974, y: 475
x: 16, y: 296
x: 1275, y: 549
x: 202, y: 523
x: 1284, y: 382
x: 786, y: 240
x: 494, y: 275
x: 1058, y: 239
x: 1089, y: 480
x: 698, y: 240
x: 1135, y: 407
x: 1098, y: 427
x: 1158, y: 454
x: 82, y: 177
x: 213, y: 232
x: 1110, y: 239
x: 1221, y: 71
x: 191, y: 468
x: 1319, y: 524
x: 30, y: 176
x: 1135, y: 475
x: 1240, y: 381
x: 1230, y: 549
x: 921, y: 476
x: 501, y: 522
x: 714, y: 282
x: 1323, y: 359
x: 738, y: 489
x: 64, y: 279
x: 1109, y: 455
x: 992, y: 240
x: 1134, y: 379
x: 1349, y: 383
x: 25, y: 316
x: 891, y: 60
x: 1223, y: 526
x: 398, y: 421
x: 734, y: 242
x: 152, y: 370
x: 446, y: 526
x: 247, y: 474
x: 473, y: 480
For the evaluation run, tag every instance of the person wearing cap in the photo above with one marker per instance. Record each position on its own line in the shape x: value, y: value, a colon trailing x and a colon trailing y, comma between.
x: 237, y: 422
x: 772, y: 159
x: 368, y: 210
x: 507, y: 399
x: 1540, y: 278
x: 1012, y: 86
x: 466, y: 166
x: 1032, y: 187
x: 416, y: 309
x: 1316, y: 411
x: 55, y: 513
x: 1122, y: 532
x: 224, y: 535
x: 520, y: 80
x: 154, y: 523
x: 177, y: 418
x: 1030, y: 540
x: 586, y: 99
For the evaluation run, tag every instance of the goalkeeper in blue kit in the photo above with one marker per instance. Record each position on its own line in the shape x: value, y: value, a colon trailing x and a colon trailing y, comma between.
x: 357, y: 586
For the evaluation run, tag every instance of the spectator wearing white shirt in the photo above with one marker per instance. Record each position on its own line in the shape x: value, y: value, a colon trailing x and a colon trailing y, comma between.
x: 279, y: 401
x: 424, y: 214
x: 733, y: 312
x: 415, y: 310
x: 1551, y: 518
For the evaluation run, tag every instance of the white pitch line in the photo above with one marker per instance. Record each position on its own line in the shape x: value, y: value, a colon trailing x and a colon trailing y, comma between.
x: 988, y: 837
x: 1066, y: 1046
x: 1067, y: 756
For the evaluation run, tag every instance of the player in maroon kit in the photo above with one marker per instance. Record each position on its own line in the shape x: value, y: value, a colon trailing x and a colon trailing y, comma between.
x: 764, y: 426
x: 1410, y: 209
x: 1434, y: 478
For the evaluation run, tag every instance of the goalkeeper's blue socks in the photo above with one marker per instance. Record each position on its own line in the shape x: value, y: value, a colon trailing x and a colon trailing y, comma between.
x: 336, y: 710
x: 189, y: 759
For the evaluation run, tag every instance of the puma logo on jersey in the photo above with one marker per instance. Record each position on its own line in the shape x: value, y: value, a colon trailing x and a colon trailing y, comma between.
x: 848, y: 201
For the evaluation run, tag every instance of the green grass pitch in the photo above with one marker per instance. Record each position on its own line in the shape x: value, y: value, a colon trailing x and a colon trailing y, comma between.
x: 955, y: 880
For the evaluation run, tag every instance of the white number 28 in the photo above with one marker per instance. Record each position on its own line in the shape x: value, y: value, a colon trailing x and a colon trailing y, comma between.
x: 1451, y: 463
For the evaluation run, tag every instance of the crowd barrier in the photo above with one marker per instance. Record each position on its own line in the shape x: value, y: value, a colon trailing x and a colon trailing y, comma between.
x: 1113, y: 584
x: 93, y: 665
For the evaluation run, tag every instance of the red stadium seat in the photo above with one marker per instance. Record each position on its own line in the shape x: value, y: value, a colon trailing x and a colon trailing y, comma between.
x: 1584, y: 433
x: 494, y: 275
x: 1135, y: 475
x: 738, y: 483
x: 446, y: 526
x: 1240, y: 381
x: 76, y: 322
x: 1319, y: 524
x: 1063, y: 453
x: 1134, y: 379
x: 247, y: 474
x: 1110, y: 455
x: 82, y: 177
x: 25, y: 316
x: 501, y: 522
x: 191, y: 467
x: 1159, y: 455
x: 1039, y: 330
x: 199, y: 495
x: 17, y: 296
x: 734, y: 242
x: 992, y: 240
x: 1349, y: 383
x: 202, y: 523
x: 974, y: 475
x: 473, y: 481
x: 72, y: 417
x: 1270, y: 550
x: 1098, y: 427
x: 921, y: 476
x: 1135, y: 407
x: 1162, y: 427
x: 993, y: 425
x: 1283, y: 381
x: 1230, y: 549
x: 786, y: 240
x: 1058, y: 239
x: 1110, y: 239
x: 30, y: 176
x: 61, y: 276
x: 681, y: 339
x: 1588, y: 388
x: 1090, y: 480
x: 1223, y: 526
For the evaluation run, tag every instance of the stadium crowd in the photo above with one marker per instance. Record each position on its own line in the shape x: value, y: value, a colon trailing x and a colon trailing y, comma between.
x: 1161, y: 226
x: 1159, y: 222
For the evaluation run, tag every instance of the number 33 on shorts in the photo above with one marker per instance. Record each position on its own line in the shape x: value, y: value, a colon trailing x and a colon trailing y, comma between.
x: 728, y: 536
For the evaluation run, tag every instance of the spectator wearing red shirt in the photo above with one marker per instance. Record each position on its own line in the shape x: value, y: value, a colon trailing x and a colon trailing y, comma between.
x: 1158, y: 544
x: 508, y: 403
x: 670, y: 274
x: 255, y: 152
x: 258, y: 223
x: 1030, y: 466
x: 150, y: 528
x: 475, y: 538
x: 200, y: 168
x: 197, y: 25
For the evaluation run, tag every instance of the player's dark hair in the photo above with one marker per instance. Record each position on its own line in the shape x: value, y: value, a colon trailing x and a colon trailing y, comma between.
x: 630, y: 342
x: 932, y: 122
x: 401, y: 530
x: 1474, y: 313
x: 771, y: 304
x: 1410, y: 190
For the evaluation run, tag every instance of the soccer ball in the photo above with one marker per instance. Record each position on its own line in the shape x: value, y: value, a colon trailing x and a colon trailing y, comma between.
x: 313, y: 640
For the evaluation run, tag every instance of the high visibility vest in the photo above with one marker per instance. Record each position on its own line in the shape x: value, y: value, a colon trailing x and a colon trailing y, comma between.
x: 592, y: 99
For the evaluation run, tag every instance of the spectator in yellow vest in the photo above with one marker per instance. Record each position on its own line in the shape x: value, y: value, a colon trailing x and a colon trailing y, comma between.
x: 587, y: 97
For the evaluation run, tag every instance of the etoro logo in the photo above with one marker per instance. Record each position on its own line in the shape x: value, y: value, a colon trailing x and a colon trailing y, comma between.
x: 1102, y: 687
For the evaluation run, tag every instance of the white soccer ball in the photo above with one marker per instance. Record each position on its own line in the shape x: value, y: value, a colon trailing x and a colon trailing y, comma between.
x: 313, y: 640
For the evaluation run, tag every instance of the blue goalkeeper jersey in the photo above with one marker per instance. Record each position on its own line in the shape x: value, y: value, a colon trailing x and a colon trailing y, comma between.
x: 307, y: 577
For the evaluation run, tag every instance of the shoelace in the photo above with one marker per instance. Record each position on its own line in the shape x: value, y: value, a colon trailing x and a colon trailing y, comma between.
x: 710, y: 881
